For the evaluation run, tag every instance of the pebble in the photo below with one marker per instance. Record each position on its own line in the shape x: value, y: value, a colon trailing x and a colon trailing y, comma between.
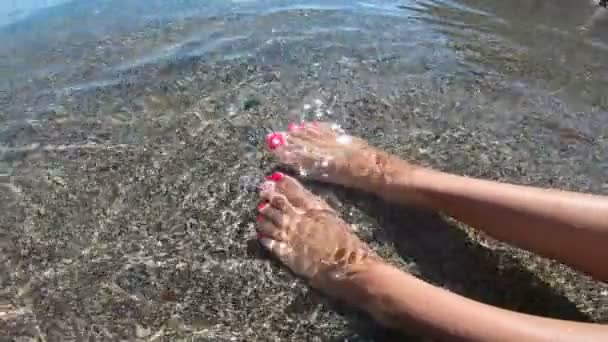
x: 58, y: 180
x: 141, y: 332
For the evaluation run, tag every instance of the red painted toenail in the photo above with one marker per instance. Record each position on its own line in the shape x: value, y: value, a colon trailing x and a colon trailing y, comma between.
x: 275, y: 177
x: 262, y: 205
x: 259, y: 218
x: 292, y: 127
x: 274, y: 140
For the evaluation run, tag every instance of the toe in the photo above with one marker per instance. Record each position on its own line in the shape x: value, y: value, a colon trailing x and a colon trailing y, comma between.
x: 275, y: 140
x: 296, y: 194
x: 278, y: 248
x: 334, y: 134
x: 281, y: 203
x: 308, y: 130
x: 267, y: 229
x: 299, y: 129
x: 295, y: 156
x: 309, y: 136
x: 269, y: 194
x: 322, y: 135
x: 304, y: 154
x: 329, y: 130
x: 277, y: 217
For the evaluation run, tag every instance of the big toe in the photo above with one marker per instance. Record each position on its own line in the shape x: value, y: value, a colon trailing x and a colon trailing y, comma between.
x: 314, y: 132
x: 318, y: 134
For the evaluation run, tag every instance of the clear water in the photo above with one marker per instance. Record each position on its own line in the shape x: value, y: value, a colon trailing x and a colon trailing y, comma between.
x: 131, y: 137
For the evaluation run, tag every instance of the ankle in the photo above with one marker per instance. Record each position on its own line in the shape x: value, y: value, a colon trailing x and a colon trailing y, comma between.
x: 399, y: 182
x: 355, y: 287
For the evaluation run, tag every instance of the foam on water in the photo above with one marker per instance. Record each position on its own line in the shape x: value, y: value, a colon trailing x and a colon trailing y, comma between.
x: 303, y: 172
x: 337, y: 128
x: 344, y: 139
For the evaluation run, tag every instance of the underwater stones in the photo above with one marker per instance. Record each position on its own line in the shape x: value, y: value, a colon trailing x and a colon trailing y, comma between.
x: 251, y: 103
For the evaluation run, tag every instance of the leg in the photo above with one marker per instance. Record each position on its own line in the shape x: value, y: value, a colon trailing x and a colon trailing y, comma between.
x: 304, y: 233
x: 567, y: 226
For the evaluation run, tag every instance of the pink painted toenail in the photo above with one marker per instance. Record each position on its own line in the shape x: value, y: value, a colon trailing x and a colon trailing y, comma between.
x: 276, y: 177
x: 262, y: 205
x: 275, y: 140
x: 292, y: 127
x: 259, y: 218
x: 303, y: 125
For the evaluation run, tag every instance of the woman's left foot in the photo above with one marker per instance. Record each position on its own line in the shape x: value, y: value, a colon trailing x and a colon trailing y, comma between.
x: 324, y: 152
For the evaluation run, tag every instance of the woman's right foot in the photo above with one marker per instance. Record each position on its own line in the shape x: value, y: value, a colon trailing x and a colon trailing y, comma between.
x: 304, y: 233
x: 324, y: 152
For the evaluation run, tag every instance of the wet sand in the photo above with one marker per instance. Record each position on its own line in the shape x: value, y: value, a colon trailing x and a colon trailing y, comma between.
x: 127, y: 187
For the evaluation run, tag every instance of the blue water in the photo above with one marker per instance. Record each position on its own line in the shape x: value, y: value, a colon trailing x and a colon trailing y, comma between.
x: 15, y: 10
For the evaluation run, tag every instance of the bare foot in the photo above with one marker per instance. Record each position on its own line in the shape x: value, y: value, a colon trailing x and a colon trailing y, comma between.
x: 304, y: 233
x: 324, y: 152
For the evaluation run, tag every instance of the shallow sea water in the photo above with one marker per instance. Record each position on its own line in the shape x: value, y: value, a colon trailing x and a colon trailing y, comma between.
x: 131, y: 143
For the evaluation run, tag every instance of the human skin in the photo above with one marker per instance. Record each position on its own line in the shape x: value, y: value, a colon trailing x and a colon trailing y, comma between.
x: 566, y: 226
x: 308, y: 237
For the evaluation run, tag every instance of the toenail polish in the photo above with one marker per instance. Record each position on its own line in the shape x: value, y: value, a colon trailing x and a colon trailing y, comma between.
x: 303, y: 124
x: 259, y: 218
x: 262, y: 205
x: 275, y: 140
x: 292, y: 127
x: 275, y: 177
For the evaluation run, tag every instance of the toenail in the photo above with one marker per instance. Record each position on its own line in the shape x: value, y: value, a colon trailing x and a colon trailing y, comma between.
x: 262, y: 205
x: 259, y: 218
x: 292, y: 127
x: 276, y: 177
x: 275, y: 140
x: 303, y: 125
